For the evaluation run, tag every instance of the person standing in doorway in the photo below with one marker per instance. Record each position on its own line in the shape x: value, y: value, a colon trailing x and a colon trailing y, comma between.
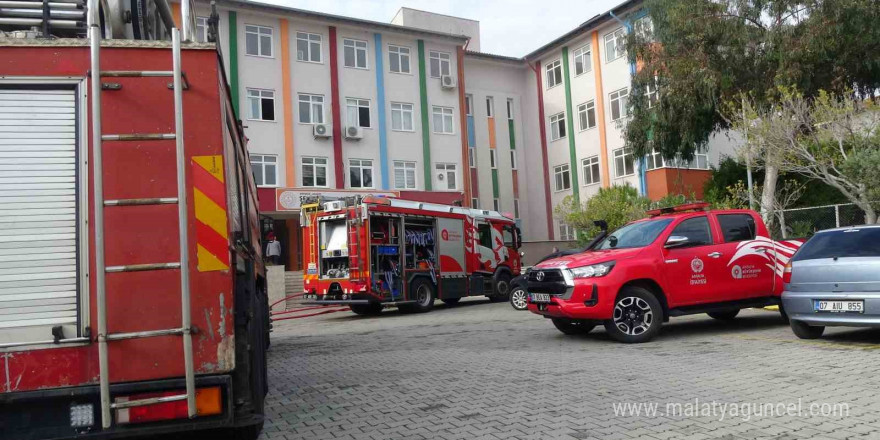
x: 273, y: 249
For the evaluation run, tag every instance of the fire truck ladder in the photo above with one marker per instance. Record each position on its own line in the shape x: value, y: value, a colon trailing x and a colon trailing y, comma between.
x: 185, y: 330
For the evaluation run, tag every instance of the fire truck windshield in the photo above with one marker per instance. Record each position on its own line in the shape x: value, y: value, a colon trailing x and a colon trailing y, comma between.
x: 334, y: 248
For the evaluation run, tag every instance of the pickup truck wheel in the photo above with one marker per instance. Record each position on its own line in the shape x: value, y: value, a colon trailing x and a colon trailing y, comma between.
x: 572, y: 327
x: 636, y: 318
x: 726, y: 315
x: 805, y: 331
x: 371, y: 309
x: 519, y: 298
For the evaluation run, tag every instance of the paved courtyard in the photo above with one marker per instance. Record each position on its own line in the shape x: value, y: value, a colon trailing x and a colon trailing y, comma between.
x: 483, y: 370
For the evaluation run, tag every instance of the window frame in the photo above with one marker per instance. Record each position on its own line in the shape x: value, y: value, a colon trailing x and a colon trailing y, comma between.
x: 623, y: 111
x: 688, y: 245
x: 259, y: 35
x: 204, y: 23
x: 262, y: 163
x: 472, y: 157
x: 314, y: 165
x: 513, y: 164
x: 260, y: 96
x: 496, y: 204
x: 622, y: 156
x: 566, y: 231
x: 559, y: 118
x: 443, y: 115
x: 404, y: 166
x: 493, y: 159
x: 469, y: 104
x: 750, y: 222
x: 559, y: 172
x: 362, y: 168
x: 475, y: 202
x: 402, y: 111
x: 552, y: 66
x: 309, y: 41
x: 590, y: 162
x: 516, y: 208
x: 358, y: 105
x: 585, y: 108
x: 509, y: 109
x: 446, y: 170
x: 440, y: 61
x: 311, y: 108
x: 400, y: 57
x: 618, y: 39
x: 490, y: 107
x: 355, y: 47
x: 585, y: 52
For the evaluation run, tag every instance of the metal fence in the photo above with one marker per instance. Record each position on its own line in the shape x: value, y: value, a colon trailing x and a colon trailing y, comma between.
x: 804, y: 222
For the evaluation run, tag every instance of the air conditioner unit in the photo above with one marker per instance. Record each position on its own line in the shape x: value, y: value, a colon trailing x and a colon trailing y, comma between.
x: 354, y: 133
x: 447, y: 81
x: 321, y: 130
x: 337, y: 205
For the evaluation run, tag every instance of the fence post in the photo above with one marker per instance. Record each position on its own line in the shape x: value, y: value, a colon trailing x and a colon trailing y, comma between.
x: 837, y: 215
x: 782, y: 224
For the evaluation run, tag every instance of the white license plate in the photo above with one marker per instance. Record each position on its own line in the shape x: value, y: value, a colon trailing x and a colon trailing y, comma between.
x: 540, y: 298
x: 839, y: 306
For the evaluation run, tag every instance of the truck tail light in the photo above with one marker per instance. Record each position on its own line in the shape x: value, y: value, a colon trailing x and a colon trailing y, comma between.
x: 786, y: 273
x: 209, y: 401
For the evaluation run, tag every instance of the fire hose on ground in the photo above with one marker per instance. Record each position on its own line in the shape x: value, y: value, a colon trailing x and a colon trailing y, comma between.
x: 276, y: 316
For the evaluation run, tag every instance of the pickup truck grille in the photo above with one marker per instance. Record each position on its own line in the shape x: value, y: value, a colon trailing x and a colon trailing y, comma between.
x: 552, y: 282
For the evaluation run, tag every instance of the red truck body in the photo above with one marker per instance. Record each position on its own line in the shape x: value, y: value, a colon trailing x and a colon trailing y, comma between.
x: 734, y: 266
x: 385, y: 246
x: 40, y: 381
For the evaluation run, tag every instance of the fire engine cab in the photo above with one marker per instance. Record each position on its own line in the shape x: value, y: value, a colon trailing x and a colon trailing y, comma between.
x: 372, y: 252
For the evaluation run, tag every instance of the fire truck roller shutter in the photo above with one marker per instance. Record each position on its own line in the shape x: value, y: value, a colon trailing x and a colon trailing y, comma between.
x: 453, y: 275
x: 38, y: 214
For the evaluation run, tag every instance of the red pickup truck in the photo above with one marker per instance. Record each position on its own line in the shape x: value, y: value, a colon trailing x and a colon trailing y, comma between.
x: 678, y: 261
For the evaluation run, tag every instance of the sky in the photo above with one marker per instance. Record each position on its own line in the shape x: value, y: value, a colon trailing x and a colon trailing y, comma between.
x: 507, y: 27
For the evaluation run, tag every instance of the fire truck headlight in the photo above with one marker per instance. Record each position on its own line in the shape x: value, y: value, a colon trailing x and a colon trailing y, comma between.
x: 82, y: 416
x: 596, y: 270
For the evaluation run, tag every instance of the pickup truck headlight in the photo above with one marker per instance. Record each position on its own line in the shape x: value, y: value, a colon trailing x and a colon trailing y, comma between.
x: 595, y: 270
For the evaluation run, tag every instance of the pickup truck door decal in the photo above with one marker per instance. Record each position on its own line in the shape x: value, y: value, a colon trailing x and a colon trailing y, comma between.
x: 776, y: 253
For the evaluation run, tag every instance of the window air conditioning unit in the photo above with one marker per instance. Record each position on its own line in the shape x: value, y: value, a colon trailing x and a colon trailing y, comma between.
x: 354, y: 133
x: 321, y: 130
x: 447, y: 81
x: 337, y: 205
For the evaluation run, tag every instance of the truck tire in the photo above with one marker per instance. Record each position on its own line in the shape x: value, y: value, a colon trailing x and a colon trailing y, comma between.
x: 725, y: 315
x: 501, y: 286
x: 804, y: 331
x: 371, y: 309
x: 636, y: 318
x: 423, y: 292
x: 572, y: 327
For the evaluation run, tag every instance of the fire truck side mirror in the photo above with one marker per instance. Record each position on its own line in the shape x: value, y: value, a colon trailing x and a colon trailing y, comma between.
x: 518, y: 239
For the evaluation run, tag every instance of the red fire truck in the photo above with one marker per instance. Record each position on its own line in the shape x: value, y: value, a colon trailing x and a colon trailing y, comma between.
x: 132, y: 298
x: 371, y: 252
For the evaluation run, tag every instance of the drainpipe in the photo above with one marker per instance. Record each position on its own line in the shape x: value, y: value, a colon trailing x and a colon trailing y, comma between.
x: 643, y: 184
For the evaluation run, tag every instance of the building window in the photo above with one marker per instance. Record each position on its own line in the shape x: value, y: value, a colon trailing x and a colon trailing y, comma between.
x: 311, y: 109
x: 443, y: 120
x: 651, y: 94
x: 619, y: 108
x: 472, y: 161
x: 439, y: 64
x: 557, y: 126
x: 401, y: 116
x: 644, y: 28
x: 468, y: 105
x: 358, y: 112
x: 587, y: 115
x: 515, y: 208
x: 398, y: 59
x: 265, y: 168
x: 447, y: 175
x: 308, y: 47
x: 513, y: 159
x: 360, y: 173
x: 493, y: 158
x: 496, y: 205
x: 582, y: 61
x: 404, y: 175
x: 490, y: 106
x: 258, y: 40
x: 554, y: 73
x: 314, y: 171
x: 566, y: 232
x: 590, y: 166
x: 563, y: 177
x: 615, y: 45
x: 354, y: 53
x: 261, y: 104
x: 700, y: 161
x: 509, y: 109
x: 475, y: 203
x: 202, y: 29
x: 623, y: 162
x: 653, y: 160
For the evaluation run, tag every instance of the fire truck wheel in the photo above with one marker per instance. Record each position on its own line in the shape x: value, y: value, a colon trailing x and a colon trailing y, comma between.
x: 572, y: 327
x: 423, y: 293
x: 450, y: 301
x: 637, y: 316
x: 370, y: 309
x: 502, y: 287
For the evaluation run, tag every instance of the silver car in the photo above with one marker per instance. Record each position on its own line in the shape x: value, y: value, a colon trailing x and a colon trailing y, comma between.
x: 834, y: 280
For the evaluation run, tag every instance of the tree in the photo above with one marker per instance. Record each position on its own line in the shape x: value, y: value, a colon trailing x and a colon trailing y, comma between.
x: 617, y: 205
x: 705, y: 53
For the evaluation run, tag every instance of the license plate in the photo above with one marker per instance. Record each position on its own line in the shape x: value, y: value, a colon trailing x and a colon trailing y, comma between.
x: 540, y: 297
x: 839, y: 306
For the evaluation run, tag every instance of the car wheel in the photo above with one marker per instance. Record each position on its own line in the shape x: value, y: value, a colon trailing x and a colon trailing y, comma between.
x: 636, y: 318
x: 450, y: 301
x: 804, y: 331
x: 423, y: 293
x: 370, y: 309
x: 572, y: 327
x: 726, y: 315
x: 519, y: 299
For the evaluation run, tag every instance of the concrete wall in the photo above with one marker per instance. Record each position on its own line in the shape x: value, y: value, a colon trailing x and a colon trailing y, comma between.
x: 440, y: 23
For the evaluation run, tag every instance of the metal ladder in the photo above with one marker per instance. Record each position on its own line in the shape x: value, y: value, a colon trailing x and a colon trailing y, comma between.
x: 185, y: 329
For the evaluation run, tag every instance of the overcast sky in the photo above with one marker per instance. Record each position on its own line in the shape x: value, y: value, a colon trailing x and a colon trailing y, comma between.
x: 507, y: 27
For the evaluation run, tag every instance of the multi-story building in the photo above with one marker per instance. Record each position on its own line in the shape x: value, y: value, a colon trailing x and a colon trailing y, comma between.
x: 335, y: 105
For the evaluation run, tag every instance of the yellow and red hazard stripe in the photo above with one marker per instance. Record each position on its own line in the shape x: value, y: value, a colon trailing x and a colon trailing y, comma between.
x: 209, y: 201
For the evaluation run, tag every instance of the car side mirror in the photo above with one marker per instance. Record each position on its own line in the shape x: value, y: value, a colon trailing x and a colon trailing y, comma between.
x: 675, y: 241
